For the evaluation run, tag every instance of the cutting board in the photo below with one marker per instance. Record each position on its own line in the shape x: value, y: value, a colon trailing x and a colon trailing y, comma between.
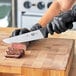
x: 47, y: 57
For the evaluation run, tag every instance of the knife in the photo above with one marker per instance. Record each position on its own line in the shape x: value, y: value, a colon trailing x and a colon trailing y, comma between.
x: 26, y: 37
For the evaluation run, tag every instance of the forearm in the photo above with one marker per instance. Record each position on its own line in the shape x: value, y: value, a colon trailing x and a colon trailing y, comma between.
x: 52, y: 11
x: 65, y: 4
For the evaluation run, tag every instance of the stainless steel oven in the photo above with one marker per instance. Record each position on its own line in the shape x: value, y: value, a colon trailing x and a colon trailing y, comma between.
x: 30, y: 11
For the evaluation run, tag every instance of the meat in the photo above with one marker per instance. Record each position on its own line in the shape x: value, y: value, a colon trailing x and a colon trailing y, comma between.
x: 14, y: 53
x: 16, y: 50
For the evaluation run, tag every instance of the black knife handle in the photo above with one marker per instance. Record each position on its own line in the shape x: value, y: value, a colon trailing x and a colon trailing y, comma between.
x: 44, y: 31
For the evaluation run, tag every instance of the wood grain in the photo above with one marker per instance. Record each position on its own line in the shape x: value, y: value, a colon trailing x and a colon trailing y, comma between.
x: 47, y: 57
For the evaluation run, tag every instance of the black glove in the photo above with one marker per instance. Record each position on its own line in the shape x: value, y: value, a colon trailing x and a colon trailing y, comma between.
x: 73, y: 13
x: 61, y: 23
x: 36, y: 27
x: 19, y: 31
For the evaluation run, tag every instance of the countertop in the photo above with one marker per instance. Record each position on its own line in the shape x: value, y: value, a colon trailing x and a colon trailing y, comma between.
x: 70, y: 34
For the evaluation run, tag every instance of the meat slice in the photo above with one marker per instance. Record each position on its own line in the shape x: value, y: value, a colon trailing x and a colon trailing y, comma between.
x: 16, y: 50
x: 15, y: 53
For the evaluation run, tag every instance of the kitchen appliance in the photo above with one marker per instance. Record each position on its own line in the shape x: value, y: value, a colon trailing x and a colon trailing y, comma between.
x: 30, y: 11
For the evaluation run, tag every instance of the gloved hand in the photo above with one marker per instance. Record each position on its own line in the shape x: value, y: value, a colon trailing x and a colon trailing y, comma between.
x: 61, y: 23
x: 73, y: 13
x: 19, y: 31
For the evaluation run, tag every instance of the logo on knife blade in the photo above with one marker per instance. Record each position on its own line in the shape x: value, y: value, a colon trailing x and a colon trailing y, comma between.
x: 32, y: 34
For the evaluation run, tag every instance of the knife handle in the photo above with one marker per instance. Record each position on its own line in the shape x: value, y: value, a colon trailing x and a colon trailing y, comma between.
x: 46, y: 30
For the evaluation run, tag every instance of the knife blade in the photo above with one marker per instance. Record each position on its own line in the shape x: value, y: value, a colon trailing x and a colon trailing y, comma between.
x: 30, y: 36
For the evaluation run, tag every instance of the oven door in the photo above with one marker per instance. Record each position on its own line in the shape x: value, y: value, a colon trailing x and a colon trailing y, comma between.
x: 29, y: 20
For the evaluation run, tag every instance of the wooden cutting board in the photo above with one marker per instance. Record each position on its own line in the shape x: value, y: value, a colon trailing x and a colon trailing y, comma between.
x: 47, y: 57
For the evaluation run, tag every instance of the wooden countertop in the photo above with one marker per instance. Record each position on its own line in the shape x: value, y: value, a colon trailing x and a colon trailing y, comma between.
x: 67, y: 35
x: 70, y: 34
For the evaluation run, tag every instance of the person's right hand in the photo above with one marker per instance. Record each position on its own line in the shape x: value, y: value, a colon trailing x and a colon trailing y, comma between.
x: 62, y: 22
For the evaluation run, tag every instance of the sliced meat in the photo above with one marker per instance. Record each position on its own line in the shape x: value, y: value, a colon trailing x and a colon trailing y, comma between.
x: 14, y: 53
x: 16, y: 50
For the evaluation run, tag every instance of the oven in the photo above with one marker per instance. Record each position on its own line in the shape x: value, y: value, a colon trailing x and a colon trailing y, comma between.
x: 30, y: 11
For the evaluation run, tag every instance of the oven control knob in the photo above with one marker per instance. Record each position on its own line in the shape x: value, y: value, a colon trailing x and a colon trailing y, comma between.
x: 41, y: 5
x: 48, y: 5
x: 27, y: 4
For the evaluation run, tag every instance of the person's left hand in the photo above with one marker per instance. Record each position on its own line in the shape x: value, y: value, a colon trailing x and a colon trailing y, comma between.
x: 19, y: 45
